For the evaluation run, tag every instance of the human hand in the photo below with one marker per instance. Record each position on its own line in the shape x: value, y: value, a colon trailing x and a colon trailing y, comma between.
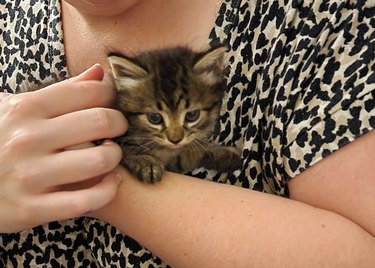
x: 36, y: 128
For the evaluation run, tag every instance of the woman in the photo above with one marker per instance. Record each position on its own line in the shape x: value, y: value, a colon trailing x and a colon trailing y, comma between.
x: 300, y: 96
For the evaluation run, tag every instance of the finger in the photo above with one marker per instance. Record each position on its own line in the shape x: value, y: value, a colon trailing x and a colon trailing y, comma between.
x: 66, y: 97
x: 71, y: 95
x: 83, y: 126
x: 71, y: 204
x: 72, y: 166
x: 72, y: 129
x: 95, y: 72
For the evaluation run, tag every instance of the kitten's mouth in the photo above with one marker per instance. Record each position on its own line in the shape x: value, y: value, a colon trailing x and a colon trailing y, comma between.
x: 175, y: 145
x: 172, y: 145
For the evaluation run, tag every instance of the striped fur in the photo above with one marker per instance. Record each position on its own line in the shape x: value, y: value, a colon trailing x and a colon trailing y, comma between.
x: 171, y: 98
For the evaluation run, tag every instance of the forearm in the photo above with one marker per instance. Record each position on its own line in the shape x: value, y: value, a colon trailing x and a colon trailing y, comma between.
x: 194, y: 223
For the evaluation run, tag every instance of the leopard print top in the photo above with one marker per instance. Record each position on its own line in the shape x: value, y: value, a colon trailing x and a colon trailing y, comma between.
x: 301, y: 80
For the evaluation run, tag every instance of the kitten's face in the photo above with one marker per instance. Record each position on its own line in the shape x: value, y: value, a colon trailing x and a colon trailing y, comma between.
x: 170, y: 97
x: 173, y: 125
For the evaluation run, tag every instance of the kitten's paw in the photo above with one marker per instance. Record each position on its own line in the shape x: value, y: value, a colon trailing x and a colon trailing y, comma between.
x: 234, y: 158
x: 222, y: 159
x: 146, y: 168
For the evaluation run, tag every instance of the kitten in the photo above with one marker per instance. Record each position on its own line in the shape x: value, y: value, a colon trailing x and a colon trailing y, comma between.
x: 171, y: 99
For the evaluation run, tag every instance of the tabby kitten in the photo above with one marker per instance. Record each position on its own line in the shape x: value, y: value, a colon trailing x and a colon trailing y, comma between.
x: 171, y: 99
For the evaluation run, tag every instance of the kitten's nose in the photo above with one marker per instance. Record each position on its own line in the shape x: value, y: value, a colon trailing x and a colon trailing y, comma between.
x: 175, y: 135
x: 175, y: 140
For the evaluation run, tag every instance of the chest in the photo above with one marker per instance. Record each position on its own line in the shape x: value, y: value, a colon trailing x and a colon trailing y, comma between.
x: 147, y: 26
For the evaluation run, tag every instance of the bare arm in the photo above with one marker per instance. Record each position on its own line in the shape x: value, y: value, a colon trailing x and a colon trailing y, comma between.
x: 194, y: 223
x: 344, y: 182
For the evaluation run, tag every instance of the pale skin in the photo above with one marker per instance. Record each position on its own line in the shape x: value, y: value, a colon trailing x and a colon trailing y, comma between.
x: 39, y: 132
x: 328, y: 222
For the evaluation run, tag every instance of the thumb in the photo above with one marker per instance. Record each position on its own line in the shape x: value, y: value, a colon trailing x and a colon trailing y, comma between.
x: 95, y: 72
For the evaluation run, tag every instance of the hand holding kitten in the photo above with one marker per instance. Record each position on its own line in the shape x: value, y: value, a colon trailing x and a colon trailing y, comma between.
x: 36, y: 128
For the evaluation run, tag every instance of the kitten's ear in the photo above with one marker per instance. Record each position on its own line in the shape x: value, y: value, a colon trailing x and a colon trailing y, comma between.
x: 126, y: 72
x: 211, y: 60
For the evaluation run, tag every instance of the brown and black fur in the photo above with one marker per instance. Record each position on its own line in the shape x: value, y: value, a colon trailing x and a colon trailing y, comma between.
x: 177, y: 84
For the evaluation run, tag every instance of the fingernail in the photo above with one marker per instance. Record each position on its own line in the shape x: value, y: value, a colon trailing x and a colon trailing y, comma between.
x: 108, y: 141
x: 118, y: 177
x: 96, y: 65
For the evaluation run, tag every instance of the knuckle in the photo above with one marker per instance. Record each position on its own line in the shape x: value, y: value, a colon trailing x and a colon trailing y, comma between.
x: 95, y: 89
x: 101, y: 119
x: 22, y: 175
x: 99, y: 162
x: 80, y: 205
x: 20, y: 105
x: 19, y: 140
x: 100, y: 89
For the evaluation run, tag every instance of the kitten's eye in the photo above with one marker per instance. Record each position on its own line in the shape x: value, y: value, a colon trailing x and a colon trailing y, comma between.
x: 155, y: 118
x: 192, y: 116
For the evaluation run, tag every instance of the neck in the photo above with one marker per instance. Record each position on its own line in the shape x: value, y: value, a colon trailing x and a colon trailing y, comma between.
x: 101, y: 8
x: 89, y: 36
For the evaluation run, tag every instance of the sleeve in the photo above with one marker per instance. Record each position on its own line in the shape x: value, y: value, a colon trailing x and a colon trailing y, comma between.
x: 331, y: 100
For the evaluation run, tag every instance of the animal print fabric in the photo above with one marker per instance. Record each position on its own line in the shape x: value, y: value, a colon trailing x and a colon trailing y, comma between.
x: 31, y: 46
x: 301, y: 80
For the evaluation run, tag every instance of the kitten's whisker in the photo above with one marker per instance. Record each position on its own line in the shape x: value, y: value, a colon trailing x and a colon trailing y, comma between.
x: 132, y: 140
x: 143, y: 148
x: 199, y: 145
x: 146, y: 147
x: 202, y: 141
x: 194, y: 146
